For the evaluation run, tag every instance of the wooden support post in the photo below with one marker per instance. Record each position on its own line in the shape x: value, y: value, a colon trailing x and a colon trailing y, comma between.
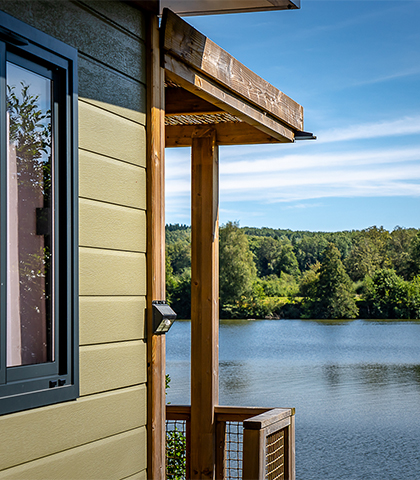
x: 156, y: 418
x: 204, y: 302
x: 290, y: 471
x: 253, y: 455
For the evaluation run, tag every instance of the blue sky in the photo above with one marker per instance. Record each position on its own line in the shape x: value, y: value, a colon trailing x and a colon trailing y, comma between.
x: 354, y: 65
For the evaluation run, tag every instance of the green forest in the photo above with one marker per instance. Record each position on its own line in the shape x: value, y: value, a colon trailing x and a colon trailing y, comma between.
x: 273, y: 273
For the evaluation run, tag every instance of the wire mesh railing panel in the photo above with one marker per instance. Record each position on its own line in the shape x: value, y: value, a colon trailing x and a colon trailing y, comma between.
x: 233, y: 450
x: 275, y: 456
x: 176, y: 449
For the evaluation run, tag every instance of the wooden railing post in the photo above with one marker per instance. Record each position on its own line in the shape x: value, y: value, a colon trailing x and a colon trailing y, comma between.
x: 253, y: 455
x: 269, y: 445
x: 290, y: 450
x: 204, y: 302
x: 220, y: 449
x: 156, y: 441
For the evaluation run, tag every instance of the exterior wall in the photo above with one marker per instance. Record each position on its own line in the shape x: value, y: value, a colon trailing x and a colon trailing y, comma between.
x: 102, y: 434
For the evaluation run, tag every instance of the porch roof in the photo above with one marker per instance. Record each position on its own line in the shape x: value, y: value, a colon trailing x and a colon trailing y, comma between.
x: 206, y: 87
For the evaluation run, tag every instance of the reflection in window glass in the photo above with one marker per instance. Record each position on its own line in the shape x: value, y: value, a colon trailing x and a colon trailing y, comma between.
x: 29, y: 223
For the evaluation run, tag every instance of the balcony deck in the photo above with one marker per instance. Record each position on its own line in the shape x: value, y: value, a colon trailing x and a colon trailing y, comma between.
x: 251, y: 442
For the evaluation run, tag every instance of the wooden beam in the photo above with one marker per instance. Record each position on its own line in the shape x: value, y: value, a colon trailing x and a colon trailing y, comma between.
x: 204, y: 303
x: 226, y: 134
x: 225, y: 99
x: 184, y: 42
x: 155, y: 254
x: 182, y: 102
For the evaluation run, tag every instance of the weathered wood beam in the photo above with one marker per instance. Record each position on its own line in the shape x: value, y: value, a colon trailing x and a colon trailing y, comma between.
x: 184, y: 42
x: 182, y: 102
x: 204, y: 303
x: 226, y: 134
x: 156, y: 441
x: 203, y: 87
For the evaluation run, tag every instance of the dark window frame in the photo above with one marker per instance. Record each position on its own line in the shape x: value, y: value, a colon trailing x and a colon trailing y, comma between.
x: 30, y: 386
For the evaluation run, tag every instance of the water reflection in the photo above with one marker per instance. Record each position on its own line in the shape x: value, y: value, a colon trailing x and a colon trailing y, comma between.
x: 355, y: 386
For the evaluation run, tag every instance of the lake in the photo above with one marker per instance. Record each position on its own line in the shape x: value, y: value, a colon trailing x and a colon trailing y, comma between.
x: 355, y: 386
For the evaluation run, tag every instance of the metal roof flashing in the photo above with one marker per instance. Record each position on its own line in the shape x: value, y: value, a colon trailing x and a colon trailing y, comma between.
x: 186, y: 8
x: 214, y: 7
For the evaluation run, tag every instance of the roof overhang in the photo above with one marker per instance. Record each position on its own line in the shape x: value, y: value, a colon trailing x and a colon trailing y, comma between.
x: 208, y: 88
x: 212, y: 7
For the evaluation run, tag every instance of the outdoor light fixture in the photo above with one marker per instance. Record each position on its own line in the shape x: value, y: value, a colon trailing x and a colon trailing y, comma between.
x: 163, y: 317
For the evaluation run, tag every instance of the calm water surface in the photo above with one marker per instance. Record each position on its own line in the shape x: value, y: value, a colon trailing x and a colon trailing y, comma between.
x: 355, y: 386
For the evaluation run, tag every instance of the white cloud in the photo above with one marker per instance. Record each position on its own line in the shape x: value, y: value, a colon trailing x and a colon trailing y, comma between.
x: 311, y: 160
x: 306, y: 174
x: 402, y: 126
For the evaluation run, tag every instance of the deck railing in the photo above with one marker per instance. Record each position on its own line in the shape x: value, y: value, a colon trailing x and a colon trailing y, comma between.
x: 252, y: 443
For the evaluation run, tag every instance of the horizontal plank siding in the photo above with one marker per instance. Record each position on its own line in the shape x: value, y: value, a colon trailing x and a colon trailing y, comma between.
x: 137, y: 476
x: 104, y: 87
x: 108, y: 180
x: 111, y: 366
x: 91, y: 33
x: 120, y: 14
x: 111, y: 135
x: 102, y: 434
x: 105, y: 272
x: 33, y: 434
x: 111, y: 319
x: 112, y: 457
x: 110, y: 226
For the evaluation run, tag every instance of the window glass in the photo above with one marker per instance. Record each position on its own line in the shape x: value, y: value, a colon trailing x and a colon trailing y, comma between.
x: 29, y: 218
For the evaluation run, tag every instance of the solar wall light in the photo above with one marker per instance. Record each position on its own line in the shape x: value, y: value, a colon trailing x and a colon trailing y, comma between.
x: 163, y: 317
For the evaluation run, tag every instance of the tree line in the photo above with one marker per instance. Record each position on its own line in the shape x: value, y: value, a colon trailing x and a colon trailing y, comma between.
x: 277, y: 273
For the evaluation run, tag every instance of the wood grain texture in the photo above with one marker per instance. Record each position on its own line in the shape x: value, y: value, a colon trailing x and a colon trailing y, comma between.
x: 117, y: 456
x: 225, y: 99
x: 103, y: 225
x: 204, y: 303
x: 32, y: 434
x: 290, y: 456
x: 236, y: 414
x: 111, y: 181
x: 111, y: 135
x: 179, y: 101
x: 107, y: 272
x: 111, y: 366
x: 111, y: 319
x: 253, y: 455
x: 226, y: 134
x: 189, y: 45
x: 220, y: 450
x: 155, y: 252
x: 268, y: 418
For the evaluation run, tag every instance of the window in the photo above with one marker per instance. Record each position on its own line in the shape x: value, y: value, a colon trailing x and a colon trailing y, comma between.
x: 38, y: 218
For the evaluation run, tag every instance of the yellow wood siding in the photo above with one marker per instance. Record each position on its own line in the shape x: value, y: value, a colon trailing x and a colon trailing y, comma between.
x: 106, y: 272
x: 43, y: 431
x: 112, y: 181
x: 117, y: 94
x: 111, y: 319
x: 102, y: 434
x: 112, y: 366
x: 108, y: 134
x: 111, y: 226
x: 113, y: 457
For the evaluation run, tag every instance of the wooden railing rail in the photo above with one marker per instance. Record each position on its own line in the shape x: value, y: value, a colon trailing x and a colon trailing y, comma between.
x: 269, y: 445
x: 252, y: 442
